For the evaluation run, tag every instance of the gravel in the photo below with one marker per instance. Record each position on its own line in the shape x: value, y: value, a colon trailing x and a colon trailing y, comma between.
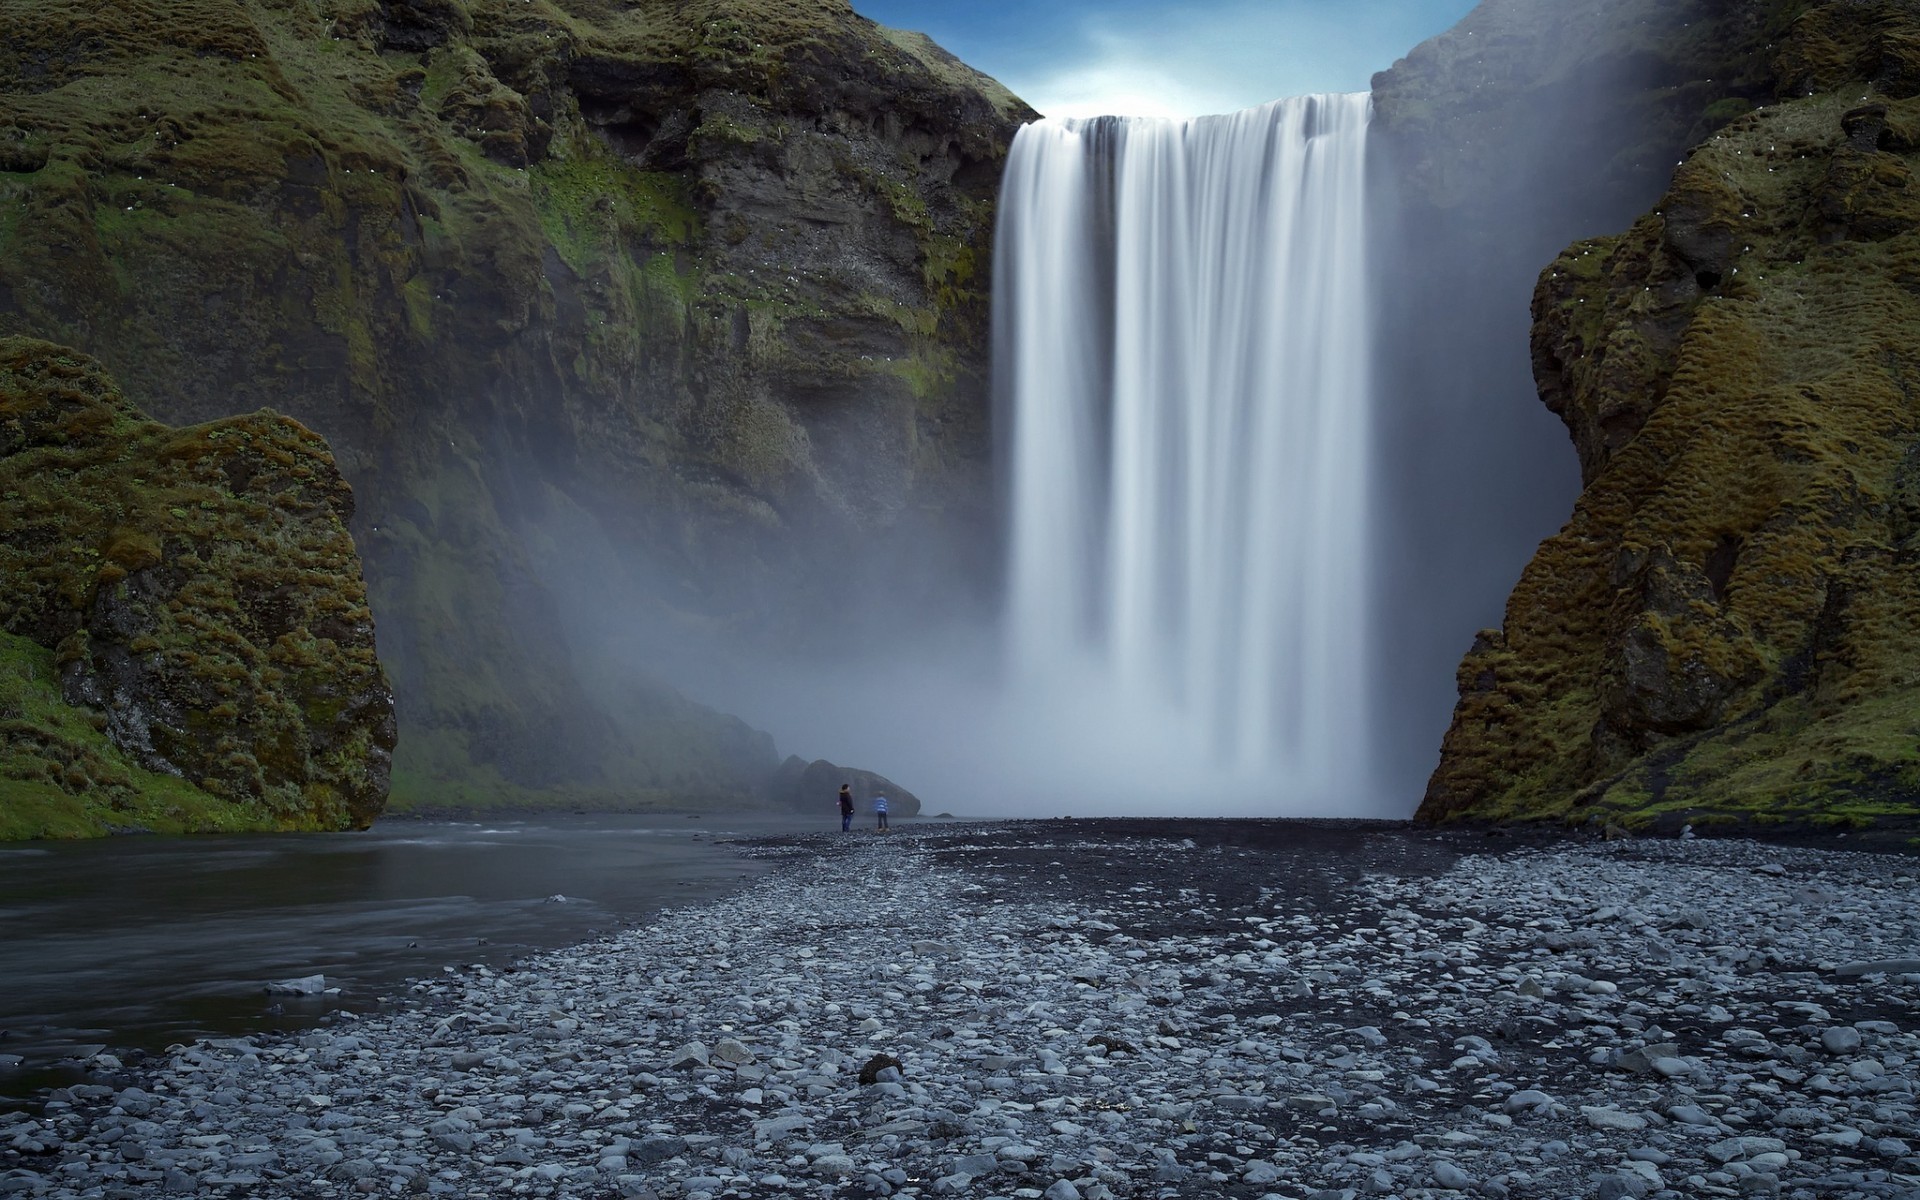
x: 1095, y: 1009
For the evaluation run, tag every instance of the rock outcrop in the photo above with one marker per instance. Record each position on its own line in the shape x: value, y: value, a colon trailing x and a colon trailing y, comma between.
x: 194, y: 593
x: 658, y: 316
x: 810, y: 787
x: 1728, y: 628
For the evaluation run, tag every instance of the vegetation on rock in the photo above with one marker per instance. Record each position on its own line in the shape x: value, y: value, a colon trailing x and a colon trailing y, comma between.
x: 186, y: 640
x: 696, y: 278
x: 1728, y: 628
x: 1529, y: 124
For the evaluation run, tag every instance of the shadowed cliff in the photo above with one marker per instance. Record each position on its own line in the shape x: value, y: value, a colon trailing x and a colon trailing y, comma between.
x: 660, y: 316
x: 1528, y: 124
x: 1726, y: 628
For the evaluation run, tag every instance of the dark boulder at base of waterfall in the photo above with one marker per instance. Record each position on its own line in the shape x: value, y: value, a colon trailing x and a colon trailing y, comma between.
x: 804, y: 786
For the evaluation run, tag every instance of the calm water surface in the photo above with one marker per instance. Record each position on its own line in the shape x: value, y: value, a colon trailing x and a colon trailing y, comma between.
x: 140, y: 942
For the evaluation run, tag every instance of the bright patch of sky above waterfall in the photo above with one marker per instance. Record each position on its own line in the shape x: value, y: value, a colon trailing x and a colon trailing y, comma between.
x: 1076, y: 58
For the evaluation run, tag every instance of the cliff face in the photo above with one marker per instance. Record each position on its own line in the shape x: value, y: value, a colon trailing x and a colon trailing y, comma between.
x: 1729, y: 625
x: 187, y: 642
x: 1529, y: 124
x: 686, y: 299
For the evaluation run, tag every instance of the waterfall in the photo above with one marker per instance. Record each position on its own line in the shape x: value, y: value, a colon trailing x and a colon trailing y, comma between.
x: 1181, y: 350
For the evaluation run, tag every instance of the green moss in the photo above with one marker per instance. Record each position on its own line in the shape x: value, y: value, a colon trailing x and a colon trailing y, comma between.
x: 595, y: 208
x: 60, y: 777
x: 724, y: 130
x: 233, y: 531
x: 957, y: 74
x: 662, y: 283
x: 930, y: 372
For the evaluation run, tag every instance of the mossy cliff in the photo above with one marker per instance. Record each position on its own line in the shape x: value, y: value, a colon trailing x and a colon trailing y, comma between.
x: 185, y: 641
x: 685, y: 298
x: 1728, y: 628
x: 1529, y: 124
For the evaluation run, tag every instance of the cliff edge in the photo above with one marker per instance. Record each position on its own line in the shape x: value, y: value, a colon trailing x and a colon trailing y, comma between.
x: 634, y: 327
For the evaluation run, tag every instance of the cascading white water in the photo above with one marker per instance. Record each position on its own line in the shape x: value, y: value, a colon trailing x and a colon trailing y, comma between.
x: 1182, y: 340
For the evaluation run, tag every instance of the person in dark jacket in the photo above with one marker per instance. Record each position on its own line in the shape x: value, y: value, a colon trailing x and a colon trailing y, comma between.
x: 846, y: 807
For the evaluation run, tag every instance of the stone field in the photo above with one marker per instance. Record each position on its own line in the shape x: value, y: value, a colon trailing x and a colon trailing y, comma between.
x: 1108, y: 1008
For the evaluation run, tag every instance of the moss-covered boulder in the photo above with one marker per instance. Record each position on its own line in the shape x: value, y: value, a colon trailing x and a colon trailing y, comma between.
x: 187, y: 638
x: 680, y: 302
x: 1728, y: 628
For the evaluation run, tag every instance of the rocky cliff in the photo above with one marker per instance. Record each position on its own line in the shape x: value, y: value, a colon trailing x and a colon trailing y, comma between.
x: 1529, y: 124
x: 186, y: 639
x: 663, y: 315
x: 1729, y: 626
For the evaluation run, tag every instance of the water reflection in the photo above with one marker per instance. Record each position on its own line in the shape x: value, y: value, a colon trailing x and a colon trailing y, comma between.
x: 146, y: 941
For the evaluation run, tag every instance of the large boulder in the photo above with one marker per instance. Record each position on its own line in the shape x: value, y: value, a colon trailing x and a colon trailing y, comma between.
x: 814, y: 787
x: 203, y: 602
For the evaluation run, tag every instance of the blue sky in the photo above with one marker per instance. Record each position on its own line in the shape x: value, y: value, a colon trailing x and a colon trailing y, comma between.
x: 1156, y: 58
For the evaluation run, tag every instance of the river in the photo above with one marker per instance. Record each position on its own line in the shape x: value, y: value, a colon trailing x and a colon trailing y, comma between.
x: 135, y: 943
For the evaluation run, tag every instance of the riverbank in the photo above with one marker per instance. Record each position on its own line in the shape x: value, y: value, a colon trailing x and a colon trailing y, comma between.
x: 1104, y: 1008
x: 132, y: 944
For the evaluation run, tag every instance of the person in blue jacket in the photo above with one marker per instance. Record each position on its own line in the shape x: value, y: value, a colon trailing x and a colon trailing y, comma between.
x: 880, y: 812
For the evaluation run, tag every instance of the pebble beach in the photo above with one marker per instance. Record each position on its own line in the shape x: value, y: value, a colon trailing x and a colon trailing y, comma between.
x: 1104, y: 1008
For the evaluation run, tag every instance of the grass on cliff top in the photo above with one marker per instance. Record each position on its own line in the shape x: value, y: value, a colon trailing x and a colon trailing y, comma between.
x: 61, y: 778
x: 954, y: 73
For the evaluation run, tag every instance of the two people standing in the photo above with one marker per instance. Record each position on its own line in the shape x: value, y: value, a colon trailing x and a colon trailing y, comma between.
x: 846, y: 809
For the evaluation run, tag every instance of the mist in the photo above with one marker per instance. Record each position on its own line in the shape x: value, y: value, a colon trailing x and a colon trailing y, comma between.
x: 940, y: 713
x: 898, y: 657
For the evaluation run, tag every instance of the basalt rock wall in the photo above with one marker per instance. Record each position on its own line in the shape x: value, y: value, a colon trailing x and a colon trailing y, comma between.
x: 1529, y: 124
x: 617, y: 316
x: 1728, y: 628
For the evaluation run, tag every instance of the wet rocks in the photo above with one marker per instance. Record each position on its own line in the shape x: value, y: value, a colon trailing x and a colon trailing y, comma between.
x: 1284, y: 1035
